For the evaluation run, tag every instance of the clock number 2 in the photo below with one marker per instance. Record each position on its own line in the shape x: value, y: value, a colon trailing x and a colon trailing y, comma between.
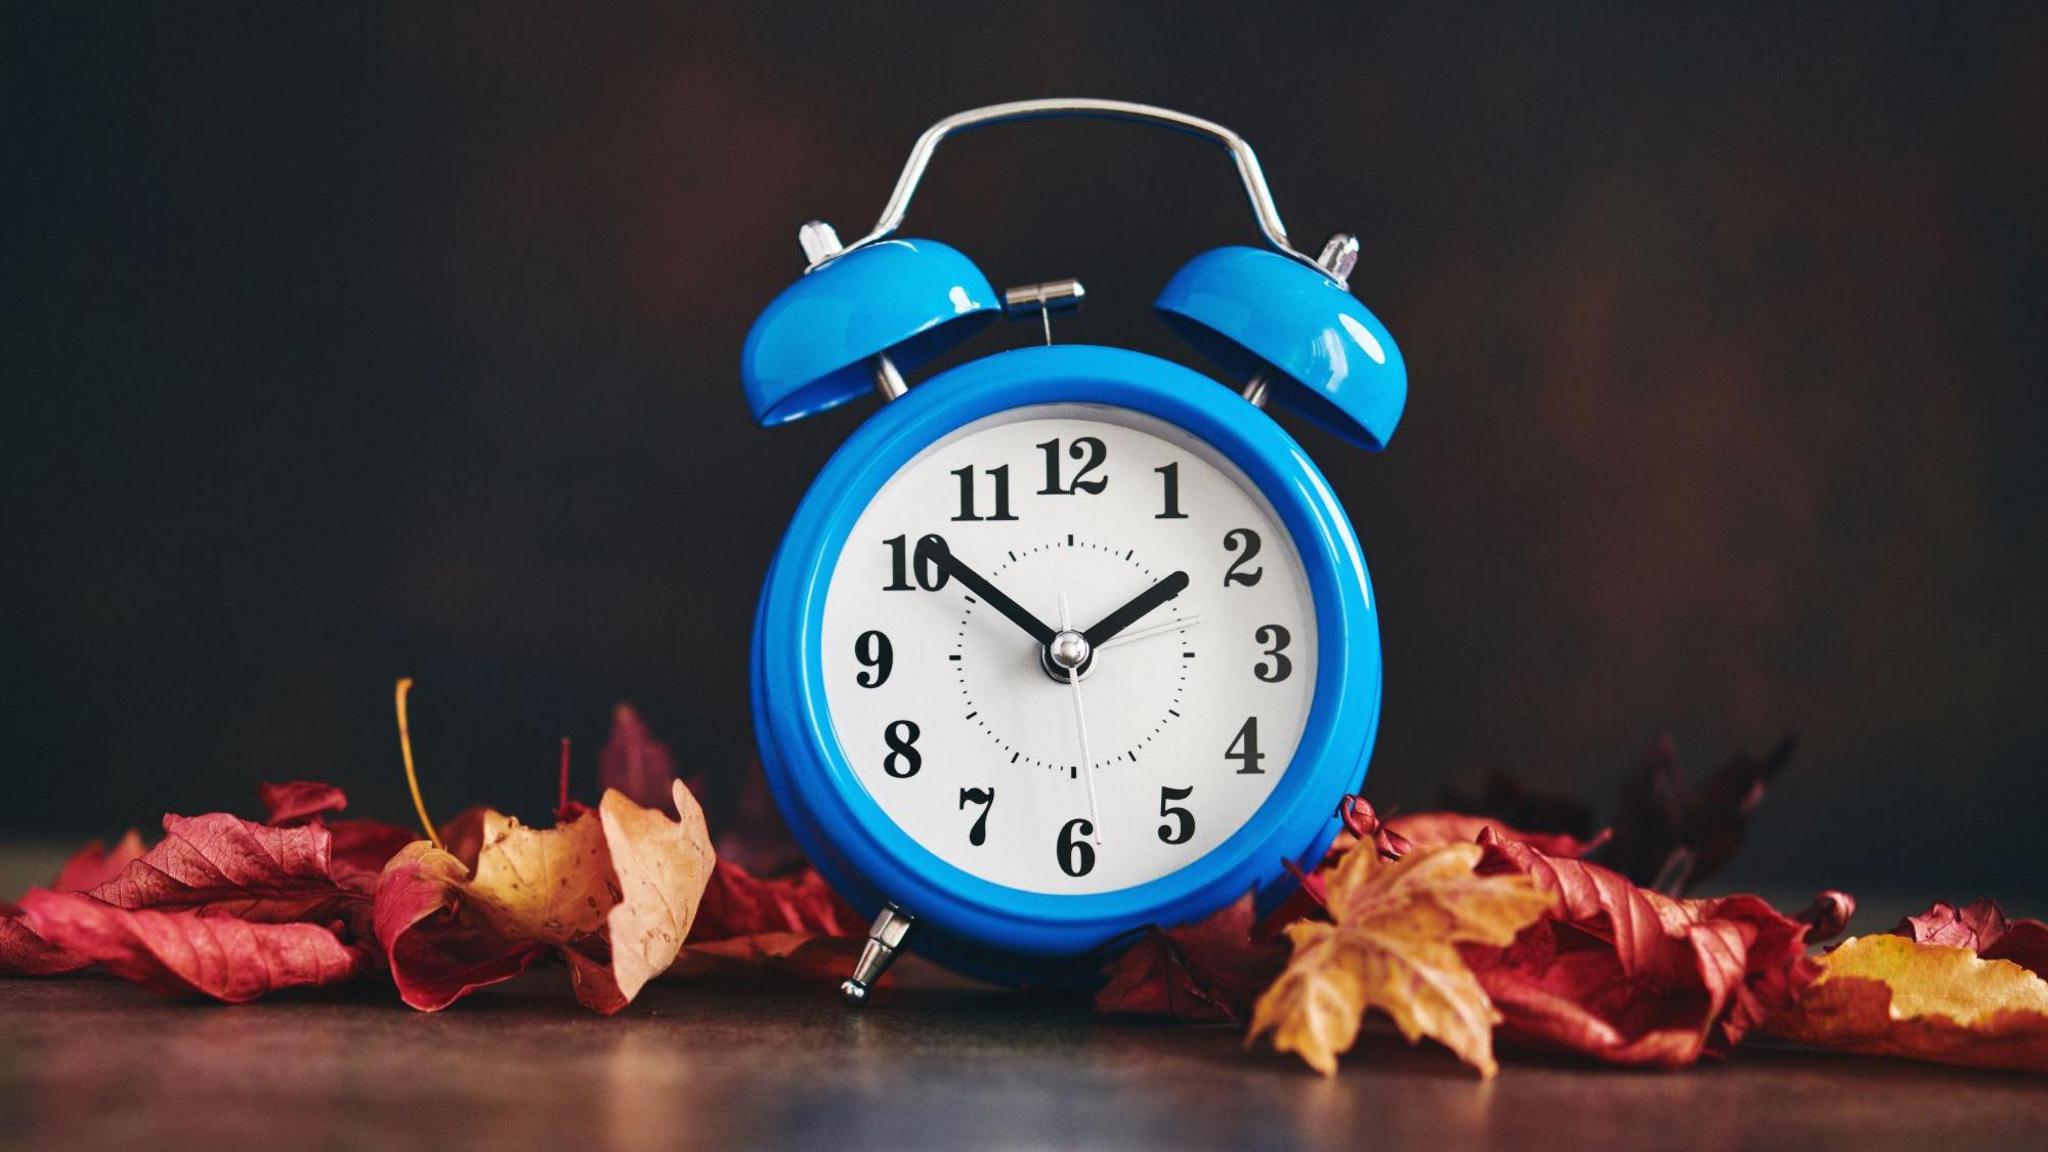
x: 903, y: 759
x: 986, y: 797
x: 1246, y: 541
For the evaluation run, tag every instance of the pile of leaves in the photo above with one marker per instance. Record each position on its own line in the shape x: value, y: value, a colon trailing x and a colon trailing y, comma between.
x: 1507, y: 917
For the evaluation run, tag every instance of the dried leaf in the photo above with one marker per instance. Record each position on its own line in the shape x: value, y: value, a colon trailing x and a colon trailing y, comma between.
x: 662, y: 867
x: 297, y: 801
x: 94, y: 864
x: 177, y: 952
x: 227, y: 866
x: 438, y: 952
x: 1895, y: 996
x: 738, y: 903
x: 1391, y: 946
x: 635, y: 763
x: 1669, y: 837
x: 24, y: 953
x: 1211, y: 970
x: 1506, y: 800
x: 549, y: 885
x: 1425, y: 829
x: 367, y: 844
x: 1629, y: 976
x: 1982, y: 928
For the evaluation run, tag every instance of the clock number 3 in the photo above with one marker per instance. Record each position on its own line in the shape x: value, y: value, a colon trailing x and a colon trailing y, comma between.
x: 986, y: 797
x: 1281, y: 667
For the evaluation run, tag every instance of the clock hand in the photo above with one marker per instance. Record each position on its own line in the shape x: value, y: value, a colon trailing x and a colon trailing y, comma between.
x: 934, y: 550
x: 1081, y: 726
x: 1150, y: 631
x: 1131, y: 612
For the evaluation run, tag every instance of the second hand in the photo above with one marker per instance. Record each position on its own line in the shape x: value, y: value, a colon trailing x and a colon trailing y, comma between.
x: 1081, y: 726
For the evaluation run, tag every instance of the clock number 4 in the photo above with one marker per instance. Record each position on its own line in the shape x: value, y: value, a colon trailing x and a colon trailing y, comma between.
x: 1076, y: 855
x: 1183, y: 827
x: 1001, y: 476
x: 928, y: 575
x: 1085, y: 448
x: 986, y: 797
x: 1245, y: 749
x: 903, y: 759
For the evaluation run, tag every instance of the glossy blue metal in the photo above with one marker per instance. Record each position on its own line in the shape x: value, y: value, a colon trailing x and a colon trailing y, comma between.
x: 972, y: 924
x: 1247, y: 308
x: 809, y: 349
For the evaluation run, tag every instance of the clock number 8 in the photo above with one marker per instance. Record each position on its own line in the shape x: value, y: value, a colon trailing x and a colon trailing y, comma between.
x: 903, y: 759
x: 1076, y: 855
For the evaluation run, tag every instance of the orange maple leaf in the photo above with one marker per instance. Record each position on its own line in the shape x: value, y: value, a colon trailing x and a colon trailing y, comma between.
x: 1393, y: 946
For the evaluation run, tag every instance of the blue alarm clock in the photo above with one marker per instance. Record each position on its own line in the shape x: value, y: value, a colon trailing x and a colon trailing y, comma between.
x: 1068, y: 640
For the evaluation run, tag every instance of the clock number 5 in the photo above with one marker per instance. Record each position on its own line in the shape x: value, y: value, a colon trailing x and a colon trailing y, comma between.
x: 903, y: 759
x: 1183, y: 827
x: 986, y: 797
x: 1076, y: 855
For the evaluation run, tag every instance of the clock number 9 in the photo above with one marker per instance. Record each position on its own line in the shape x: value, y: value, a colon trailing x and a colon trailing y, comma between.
x: 1183, y: 827
x: 1076, y: 855
x: 903, y: 759
x: 874, y: 652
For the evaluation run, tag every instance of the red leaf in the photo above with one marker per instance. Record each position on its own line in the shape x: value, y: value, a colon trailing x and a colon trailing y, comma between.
x: 23, y: 953
x: 1629, y: 976
x: 227, y: 866
x: 635, y: 763
x: 367, y: 844
x: 737, y: 903
x: 1982, y: 928
x: 93, y: 865
x: 176, y: 952
x: 1431, y: 828
x: 1670, y: 837
x: 297, y: 801
x: 1210, y: 970
x: 437, y: 957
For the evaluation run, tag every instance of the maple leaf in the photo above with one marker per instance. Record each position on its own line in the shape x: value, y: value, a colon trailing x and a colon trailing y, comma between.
x: 1391, y: 945
x: 635, y: 763
x: 1896, y: 996
x: 1982, y: 928
x: 95, y: 864
x: 297, y: 801
x: 614, y: 890
x: 1429, y: 828
x: 1210, y: 970
x: 229, y: 959
x: 737, y: 903
x: 226, y: 866
x: 1629, y: 976
x: 24, y: 953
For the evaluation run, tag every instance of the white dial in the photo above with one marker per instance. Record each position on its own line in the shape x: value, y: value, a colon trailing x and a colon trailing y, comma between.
x: 1130, y: 693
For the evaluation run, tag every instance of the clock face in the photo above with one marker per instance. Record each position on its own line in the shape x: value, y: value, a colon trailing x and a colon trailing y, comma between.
x: 1069, y: 648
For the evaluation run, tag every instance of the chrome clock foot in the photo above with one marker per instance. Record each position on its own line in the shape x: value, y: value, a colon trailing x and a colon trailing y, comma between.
x: 885, y: 939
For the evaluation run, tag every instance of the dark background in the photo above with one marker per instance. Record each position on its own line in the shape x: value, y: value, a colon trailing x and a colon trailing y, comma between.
x: 346, y: 344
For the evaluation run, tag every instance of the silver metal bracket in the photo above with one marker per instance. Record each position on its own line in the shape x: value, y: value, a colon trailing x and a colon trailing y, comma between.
x: 820, y: 242
x: 885, y: 940
x: 1042, y: 300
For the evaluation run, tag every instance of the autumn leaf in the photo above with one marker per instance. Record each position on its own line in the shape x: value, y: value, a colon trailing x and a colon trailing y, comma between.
x: 229, y: 959
x: 633, y: 762
x: 95, y: 864
x: 1424, y: 829
x: 1626, y: 975
x: 1211, y: 970
x: 437, y: 952
x: 297, y: 801
x: 548, y: 885
x: 661, y: 867
x: 24, y: 953
x: 1670, y: 837
x: 1982, y: 928
x: 227, y: 866
x: 1391, y: 945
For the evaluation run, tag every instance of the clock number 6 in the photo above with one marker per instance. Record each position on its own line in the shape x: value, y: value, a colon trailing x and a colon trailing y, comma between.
x: 1183, y: 827
x: 986, y: 797
x: 903, y: 759
x: 875, y: 653
x: 1076, y: 855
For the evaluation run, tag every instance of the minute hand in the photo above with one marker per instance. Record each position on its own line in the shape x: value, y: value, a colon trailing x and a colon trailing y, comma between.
x: 1132, y: 612
x: 933, y: 549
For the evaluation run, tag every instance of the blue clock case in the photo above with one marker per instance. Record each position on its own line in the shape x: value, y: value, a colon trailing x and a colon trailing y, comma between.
x: 970, y: 924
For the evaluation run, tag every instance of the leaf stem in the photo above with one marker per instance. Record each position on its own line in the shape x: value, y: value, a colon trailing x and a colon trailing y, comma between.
x: 412, y: 777
x: 562, y: 785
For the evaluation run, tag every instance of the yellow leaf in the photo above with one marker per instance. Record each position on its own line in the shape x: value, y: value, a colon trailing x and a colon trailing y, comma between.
x: 546, y: 884
x: 1392, y: 946
x: 1891, y: 996
x: 662, y: 867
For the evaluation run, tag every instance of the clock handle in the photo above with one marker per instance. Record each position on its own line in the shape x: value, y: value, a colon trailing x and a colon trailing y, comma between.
x: 885, y: 941
x: 1247, y: 161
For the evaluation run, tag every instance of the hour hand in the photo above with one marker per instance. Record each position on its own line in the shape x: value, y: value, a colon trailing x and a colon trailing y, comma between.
x: 933, y: 550
x: 1132, y: 612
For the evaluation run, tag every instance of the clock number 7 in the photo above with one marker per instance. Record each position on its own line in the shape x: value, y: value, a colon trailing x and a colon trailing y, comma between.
x: 986, y: 797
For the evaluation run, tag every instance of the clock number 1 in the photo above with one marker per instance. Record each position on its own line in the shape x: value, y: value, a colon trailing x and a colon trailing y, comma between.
x: 1169, y: 480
